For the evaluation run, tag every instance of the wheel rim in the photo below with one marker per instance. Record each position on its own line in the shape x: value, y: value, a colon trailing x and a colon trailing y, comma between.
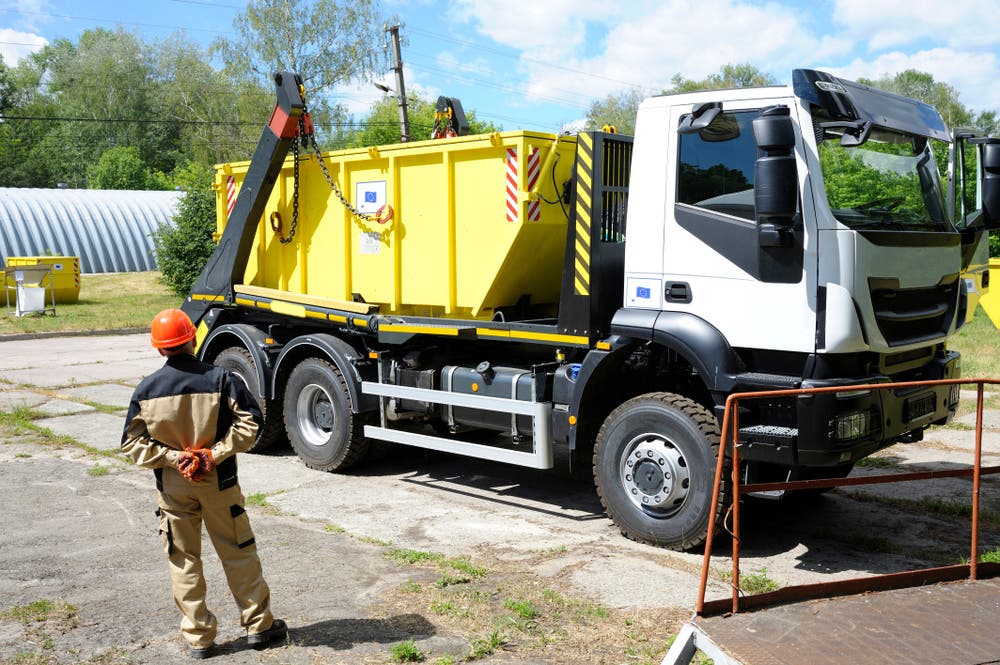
x: 655, y: 475
x: 315, y: 415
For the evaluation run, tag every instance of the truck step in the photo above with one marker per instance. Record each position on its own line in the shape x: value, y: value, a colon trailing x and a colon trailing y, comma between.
x: 774, y: 435
x: 762, y: 381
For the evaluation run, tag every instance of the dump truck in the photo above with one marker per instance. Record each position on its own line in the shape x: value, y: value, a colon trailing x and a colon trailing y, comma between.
x: 512, y: 295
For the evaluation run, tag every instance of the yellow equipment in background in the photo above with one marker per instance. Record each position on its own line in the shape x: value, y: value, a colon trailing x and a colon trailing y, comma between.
x: 990, y: 301
x: 65, y: 273
x: 454, y: 228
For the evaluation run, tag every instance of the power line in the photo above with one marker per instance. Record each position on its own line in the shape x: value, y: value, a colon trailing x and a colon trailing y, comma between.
x: 169, y: 121
x: 208, y: 4
x: 112, y: 21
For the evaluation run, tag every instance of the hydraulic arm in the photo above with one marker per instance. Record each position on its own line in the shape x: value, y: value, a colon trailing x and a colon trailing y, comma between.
x: 226, y: 265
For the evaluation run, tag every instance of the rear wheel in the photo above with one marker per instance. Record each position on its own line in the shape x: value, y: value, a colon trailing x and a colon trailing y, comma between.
x: 321, y: 427
x: 654, y: 465
x: 241, y: 364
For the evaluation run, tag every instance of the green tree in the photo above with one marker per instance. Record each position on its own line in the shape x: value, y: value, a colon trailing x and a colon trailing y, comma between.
x: 121, y: 167
x: 381, y: 125
x: 619, y: 109
x: 729, y: 76
x: 327, y: 42
x: 6, y: 87
x: 183, y: 248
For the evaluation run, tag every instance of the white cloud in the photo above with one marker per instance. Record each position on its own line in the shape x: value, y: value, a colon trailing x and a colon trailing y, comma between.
x: 650, y: 44
x: 966, y: 24
x: 973, y: 74
x: 15, y: 45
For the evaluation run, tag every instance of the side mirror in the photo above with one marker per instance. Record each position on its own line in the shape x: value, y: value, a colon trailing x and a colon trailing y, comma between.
x: 701, y: 116
x: 776, y: 191
x: 991, y: 183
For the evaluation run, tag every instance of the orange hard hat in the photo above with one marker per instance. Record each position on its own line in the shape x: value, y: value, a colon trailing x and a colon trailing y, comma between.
x: 171, y: 328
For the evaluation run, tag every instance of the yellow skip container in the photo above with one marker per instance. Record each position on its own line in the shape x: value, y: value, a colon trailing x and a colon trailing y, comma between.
x: 65, y: 273
x: 464, y: 225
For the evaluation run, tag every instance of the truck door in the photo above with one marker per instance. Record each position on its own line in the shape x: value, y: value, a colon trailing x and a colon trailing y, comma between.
x: 754, y: 290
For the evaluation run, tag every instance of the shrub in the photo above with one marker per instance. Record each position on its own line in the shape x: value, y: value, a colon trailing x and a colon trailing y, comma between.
x: 183, y: 248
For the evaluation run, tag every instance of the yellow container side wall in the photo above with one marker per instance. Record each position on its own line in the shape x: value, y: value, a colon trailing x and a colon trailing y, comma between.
x: 449, y: 249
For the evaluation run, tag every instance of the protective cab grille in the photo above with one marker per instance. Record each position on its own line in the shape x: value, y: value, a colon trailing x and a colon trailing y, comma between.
x: 909, y: 316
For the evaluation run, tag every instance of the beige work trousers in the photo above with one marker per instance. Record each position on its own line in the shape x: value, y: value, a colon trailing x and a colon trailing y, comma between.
x: 183, y: 507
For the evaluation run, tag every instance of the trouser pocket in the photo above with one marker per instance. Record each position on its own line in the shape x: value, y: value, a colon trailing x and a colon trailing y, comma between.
x: 241, y: 524
x: 165, y: 533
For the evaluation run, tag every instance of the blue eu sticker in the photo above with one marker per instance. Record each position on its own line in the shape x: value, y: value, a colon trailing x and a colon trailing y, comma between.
x: 371, y: 197
x: 642, y: 292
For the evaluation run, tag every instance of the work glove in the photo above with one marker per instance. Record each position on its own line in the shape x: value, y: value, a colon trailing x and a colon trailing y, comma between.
x: 188, y: 464
x: 206, y: 464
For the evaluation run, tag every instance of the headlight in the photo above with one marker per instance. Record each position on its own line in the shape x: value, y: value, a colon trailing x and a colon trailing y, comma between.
x: 850, y: 426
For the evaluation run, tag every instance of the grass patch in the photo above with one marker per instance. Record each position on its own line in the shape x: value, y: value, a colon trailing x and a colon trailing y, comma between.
x: 23, y: 455
x: 98, y: 470
x: 876, y: 462
x: 993, y: 556
x: 487, y: 646
x: 41, y: 611
x: 522, y: 608
x: 107, y: 302
x: 930, y: 505
x: 333, y: 528
x: 406, y: 652
x: 753, y: 583
x: 258, y: 499
x: 977, y: 342
x: 454, y: 571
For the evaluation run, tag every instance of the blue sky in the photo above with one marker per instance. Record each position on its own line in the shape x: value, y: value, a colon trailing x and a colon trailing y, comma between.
x: 538, y: 64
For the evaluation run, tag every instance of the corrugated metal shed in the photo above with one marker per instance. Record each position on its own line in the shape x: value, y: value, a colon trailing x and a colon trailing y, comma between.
x: 110, y: 230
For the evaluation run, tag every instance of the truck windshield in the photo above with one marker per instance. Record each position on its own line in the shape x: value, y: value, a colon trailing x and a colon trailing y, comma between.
x: 890, y: 182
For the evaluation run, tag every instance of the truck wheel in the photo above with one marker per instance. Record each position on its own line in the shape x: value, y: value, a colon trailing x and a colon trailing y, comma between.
x: 324, y: 432
x: 654, y: 465
x: 239, y: 361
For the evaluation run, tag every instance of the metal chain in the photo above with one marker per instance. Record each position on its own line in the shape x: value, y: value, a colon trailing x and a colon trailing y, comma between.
x: 295, y: 189
x: 333, y: 183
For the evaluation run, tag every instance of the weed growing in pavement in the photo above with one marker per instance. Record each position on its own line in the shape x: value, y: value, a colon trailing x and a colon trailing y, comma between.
x: 522, y: 608
x: 483, y: 647
x: 41, y: 611
x: 412, y: 556
x: 258, y: 499
x: 333, y: 528
x: 447, y: 659
x: 753, y: 583
x: 23, y: 455
x: 98, y: 470
x: 407, y: 652
x: 411, y: 586
x: 443, y: 607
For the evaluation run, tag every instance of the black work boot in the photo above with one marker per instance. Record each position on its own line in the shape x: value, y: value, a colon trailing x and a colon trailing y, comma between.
x: 278, y: 632
x: 201, y: 653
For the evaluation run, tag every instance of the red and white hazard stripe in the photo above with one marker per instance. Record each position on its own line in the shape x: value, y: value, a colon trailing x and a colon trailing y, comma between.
x: 511, y: 184
x: 230, y: 194
x: 534, y: 169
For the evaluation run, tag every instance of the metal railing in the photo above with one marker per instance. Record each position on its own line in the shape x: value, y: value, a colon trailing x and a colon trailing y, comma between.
x: 730, y: 433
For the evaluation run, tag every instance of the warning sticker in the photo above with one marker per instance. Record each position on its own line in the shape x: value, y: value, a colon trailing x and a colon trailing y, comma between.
x: 370, y: 242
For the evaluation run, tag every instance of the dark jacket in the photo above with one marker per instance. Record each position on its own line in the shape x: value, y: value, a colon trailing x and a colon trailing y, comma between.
x: 188, y: 404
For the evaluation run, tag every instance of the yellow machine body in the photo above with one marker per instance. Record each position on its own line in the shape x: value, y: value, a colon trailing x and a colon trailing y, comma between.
x: 468, y: 231
x: 65, y: 273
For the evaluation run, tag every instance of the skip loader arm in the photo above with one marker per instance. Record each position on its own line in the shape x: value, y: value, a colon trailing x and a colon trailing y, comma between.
x: 226, y: 265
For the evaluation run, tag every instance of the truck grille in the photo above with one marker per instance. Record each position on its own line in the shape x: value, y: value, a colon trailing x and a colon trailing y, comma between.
x: 908, y: 316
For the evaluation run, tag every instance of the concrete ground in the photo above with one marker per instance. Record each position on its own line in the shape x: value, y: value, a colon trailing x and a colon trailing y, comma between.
x: 88, y: 538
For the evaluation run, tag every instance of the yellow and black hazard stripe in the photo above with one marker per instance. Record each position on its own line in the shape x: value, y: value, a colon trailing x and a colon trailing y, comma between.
x: 584, y: 212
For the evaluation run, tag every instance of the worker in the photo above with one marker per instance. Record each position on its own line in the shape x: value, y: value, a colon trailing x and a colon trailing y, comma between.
x: 187, y: 421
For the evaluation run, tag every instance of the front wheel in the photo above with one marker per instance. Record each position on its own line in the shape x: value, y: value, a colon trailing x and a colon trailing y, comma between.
x: 322, y: 428
x: 654, y: 465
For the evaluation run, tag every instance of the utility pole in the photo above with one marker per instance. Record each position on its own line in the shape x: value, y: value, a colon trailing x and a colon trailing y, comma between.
x: 404, y: 118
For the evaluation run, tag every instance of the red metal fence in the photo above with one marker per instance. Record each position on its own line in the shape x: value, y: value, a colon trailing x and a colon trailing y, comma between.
x: 730, y: 430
